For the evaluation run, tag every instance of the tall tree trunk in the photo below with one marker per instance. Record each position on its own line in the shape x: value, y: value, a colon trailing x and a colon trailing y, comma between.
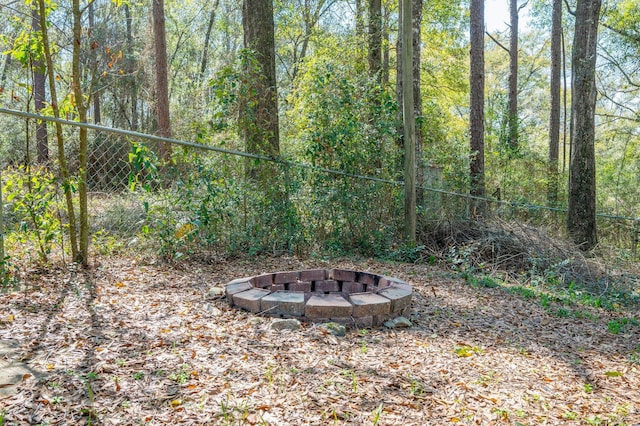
x: 62, y: 159
x: 416, y: 16
x: 310, y: 18
x: 133, y: 88
x: 162, y: 80
x: 5, y: 69
x: 83, y: 253
x: 564, y: 107
x: 95, y: 96
x: 513, y: 75
x: 399, y: 78
x: 39, y: 83
x: 581, y: 217
x: 416, y: 26
x: 476, y: 122
x: 360, y: 19
x: 259, y: 112
x: 554, y: 113
x: 385, y: 47
x: 409, y: 125
x: 375, y: 39
x: 205, y: 49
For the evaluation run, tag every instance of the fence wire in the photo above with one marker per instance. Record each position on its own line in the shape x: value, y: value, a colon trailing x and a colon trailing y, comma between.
x: 202, y: 201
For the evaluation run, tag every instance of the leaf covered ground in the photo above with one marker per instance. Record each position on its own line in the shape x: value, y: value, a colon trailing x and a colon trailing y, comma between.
x: 129, y: 343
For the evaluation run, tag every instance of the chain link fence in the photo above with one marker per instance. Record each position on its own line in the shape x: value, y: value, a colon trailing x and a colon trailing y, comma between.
x: 202, y: 202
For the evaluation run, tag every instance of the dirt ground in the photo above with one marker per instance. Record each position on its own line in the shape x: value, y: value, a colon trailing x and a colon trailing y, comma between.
x: 132, y: 343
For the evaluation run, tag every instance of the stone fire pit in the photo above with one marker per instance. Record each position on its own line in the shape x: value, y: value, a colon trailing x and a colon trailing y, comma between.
x: 349, y: 297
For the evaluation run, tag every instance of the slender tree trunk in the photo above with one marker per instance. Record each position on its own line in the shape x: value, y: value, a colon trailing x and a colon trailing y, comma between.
x: 554, y: 114
x: 311, y: 19
x: 133, y: 86
x: 62, y: 159
x: 581, y: 217
x: 409, y: 125
x: 39, y: 83
x: 360, y: 19
x: 162, y: 79
x: 564, y: 107
x: 399, y: 78
x: 513, y: 75
x: 205, y: 49
x: 259, y: 113
x: 95, y: 96
x: 375, y: 39
x: 416, y: 26
x: 5, y: 69
x: 385, y: 47
x: 83, y: 253
x: 476, y: 122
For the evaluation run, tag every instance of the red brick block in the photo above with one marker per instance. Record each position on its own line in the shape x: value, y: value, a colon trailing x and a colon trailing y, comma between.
x: 342, y: 275
x: 383, y: 282
x: 304, y: 286
x: 352, y: 287
x: 276, y: 287
x: 369, y: 304
x: 250, y: 299
x: 263, y: 281
x: 326, y: 285
x: 283, y: 303
x: 313, y: 275
x: 399, y: 297
x: 285, y: 277
x: 370, y: 288
x: 328, y: 306
x: 402, y: 284
x: 396, y: 281
x: 366, y: 278
x: 237, y: 286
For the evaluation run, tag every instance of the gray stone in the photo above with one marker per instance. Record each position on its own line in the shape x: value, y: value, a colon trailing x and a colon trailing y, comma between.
x: 286, y: 324
x: 398, y: 322
x: 213, y: 310
x: 216, y: 291
x: 334, y: 328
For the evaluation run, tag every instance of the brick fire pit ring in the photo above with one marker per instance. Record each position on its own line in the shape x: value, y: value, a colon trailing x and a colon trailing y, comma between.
x: 340, y: 295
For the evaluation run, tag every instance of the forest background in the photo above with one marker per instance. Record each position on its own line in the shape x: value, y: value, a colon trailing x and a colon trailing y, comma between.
x: 335, y: 184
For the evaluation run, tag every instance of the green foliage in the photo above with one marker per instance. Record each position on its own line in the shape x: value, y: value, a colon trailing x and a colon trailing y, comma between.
x: 144, y: 167
x: 618, y: 325
x: 32, y: 196
x: 8, y: 273
x: 27, y: 48
x: 344, y: 121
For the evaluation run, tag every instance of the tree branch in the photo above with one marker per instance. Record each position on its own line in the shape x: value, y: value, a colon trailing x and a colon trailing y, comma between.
x: 497, y: 42
x: 572, y: 12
